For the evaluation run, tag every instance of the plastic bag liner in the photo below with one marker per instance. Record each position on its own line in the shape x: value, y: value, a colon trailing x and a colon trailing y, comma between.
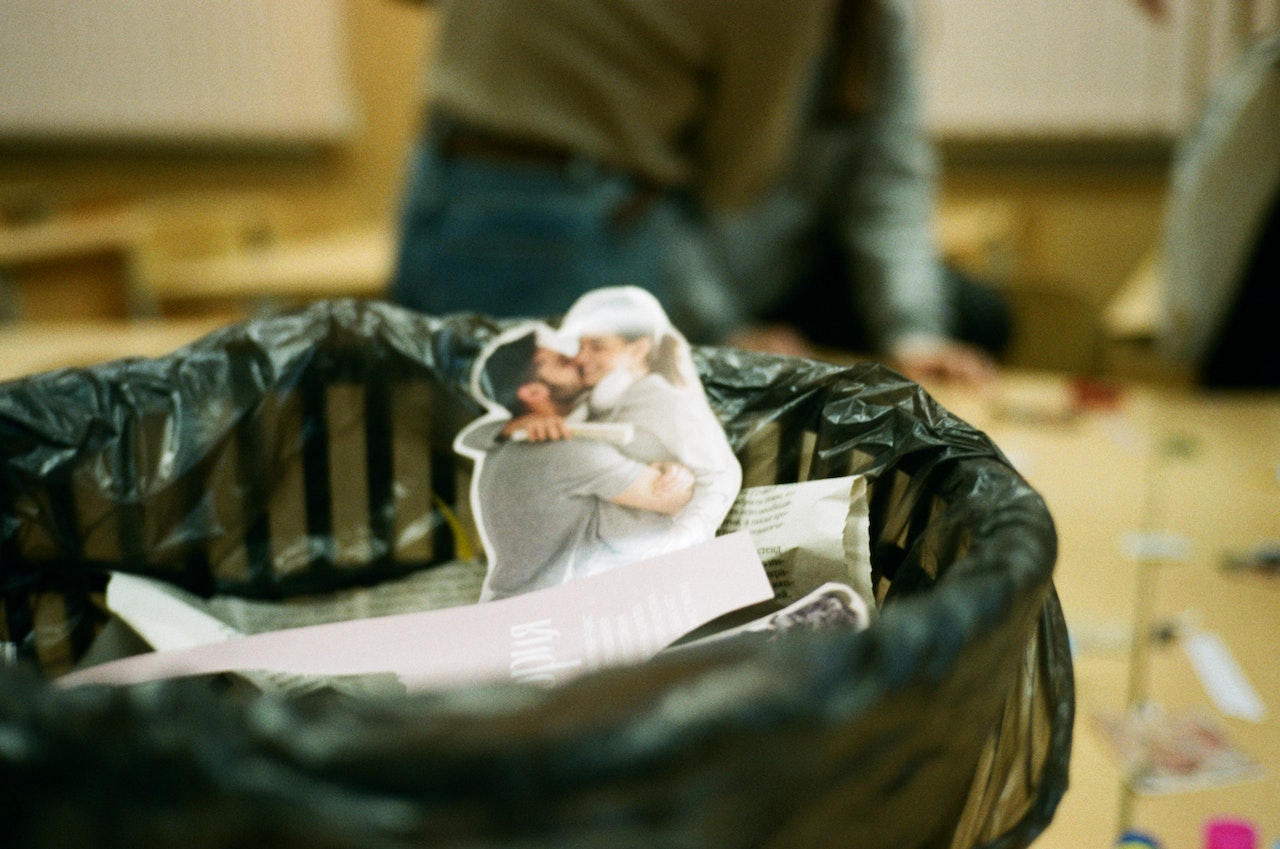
x: 307, y: 452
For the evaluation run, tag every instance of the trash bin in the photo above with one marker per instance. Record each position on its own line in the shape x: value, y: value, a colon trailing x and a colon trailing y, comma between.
x: 307, y: 452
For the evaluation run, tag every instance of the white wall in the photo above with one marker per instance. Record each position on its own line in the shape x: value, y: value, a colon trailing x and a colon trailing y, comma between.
x: 1070, y: 68
x: 174, y: 70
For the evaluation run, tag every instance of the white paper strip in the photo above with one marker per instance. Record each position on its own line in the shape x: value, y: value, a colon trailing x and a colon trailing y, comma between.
x: 619, y: 617
x: 1222, y: 677
x: 1155, y: 546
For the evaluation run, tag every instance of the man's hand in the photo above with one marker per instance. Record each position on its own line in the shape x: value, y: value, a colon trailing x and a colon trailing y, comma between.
x: 771, y: 339
x: 946, y: 361
x: 673, y: 479
x: 664, y: 487
x: 536, y: 428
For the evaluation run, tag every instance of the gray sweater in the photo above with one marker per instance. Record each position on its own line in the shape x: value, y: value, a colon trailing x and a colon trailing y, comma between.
x: 684, y: 93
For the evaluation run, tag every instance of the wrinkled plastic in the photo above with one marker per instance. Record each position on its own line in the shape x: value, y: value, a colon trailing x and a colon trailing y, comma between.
x: 307, y: 452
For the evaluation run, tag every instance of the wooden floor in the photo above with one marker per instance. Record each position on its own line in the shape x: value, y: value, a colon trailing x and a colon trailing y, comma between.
x: 1150, y: 496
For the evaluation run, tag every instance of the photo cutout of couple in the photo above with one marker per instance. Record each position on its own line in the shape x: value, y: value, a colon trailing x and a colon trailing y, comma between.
x: 597, y: 449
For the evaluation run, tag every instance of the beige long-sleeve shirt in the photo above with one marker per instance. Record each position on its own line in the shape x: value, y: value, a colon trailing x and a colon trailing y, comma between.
x: 698, y: 93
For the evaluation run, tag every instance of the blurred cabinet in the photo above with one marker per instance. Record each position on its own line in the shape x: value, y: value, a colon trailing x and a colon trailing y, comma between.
x: 228, y: 255
x: 261, y: 277
x: 76, y: 265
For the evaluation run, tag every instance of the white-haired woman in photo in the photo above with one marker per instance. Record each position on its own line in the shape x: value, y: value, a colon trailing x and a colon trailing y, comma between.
x: 638, y: 371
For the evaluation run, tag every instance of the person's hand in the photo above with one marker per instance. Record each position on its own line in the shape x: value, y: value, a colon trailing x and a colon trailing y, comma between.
x: 945, y: 361
x: 537, y: 428
x: 771, y: 339
x: 672, y: 478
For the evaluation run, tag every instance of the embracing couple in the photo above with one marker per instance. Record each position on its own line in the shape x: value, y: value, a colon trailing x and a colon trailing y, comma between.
x: 599, y: 448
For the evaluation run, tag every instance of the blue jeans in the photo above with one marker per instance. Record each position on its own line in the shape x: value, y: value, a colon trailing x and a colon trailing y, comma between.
x: 511, y: 240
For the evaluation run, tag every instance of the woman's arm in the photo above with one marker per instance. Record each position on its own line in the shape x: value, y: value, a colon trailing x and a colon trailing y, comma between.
x: 662, y: 488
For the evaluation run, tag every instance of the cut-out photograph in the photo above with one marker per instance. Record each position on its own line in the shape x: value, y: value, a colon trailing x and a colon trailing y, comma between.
x: 598, y: 448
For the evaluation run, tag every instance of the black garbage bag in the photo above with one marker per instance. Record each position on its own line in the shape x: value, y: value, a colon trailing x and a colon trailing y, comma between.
x: 308, y: 452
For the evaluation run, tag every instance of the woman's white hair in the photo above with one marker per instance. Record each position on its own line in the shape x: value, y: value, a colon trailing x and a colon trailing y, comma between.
x: 627, y: 311
x: 633, y: 313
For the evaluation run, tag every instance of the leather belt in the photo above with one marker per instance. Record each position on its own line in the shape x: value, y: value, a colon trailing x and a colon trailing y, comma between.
x: 471, y: 143
x: 455, y: 139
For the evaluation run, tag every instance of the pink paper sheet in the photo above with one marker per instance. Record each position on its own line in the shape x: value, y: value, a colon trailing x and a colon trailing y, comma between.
x: 623, y: 616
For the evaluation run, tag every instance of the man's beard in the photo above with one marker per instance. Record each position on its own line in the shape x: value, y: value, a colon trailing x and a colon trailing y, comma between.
x: 566, y: 396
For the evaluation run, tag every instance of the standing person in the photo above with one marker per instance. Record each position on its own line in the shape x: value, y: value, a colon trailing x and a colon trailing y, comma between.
x: 539, y: 507
x: 841, y: 253
x: 566, y: 141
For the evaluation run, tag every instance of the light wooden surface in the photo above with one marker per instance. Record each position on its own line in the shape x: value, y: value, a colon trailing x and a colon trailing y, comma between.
x: 61, y: 236
x: 120, y: 262
x: 33, y: 347
x: 980, y: 236
x: 354, y: 263
x: 1131, y: 322
x: 171, y: 275
x: 1168, y: 465
x: 72, y: 266
x: 1134, y: 312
